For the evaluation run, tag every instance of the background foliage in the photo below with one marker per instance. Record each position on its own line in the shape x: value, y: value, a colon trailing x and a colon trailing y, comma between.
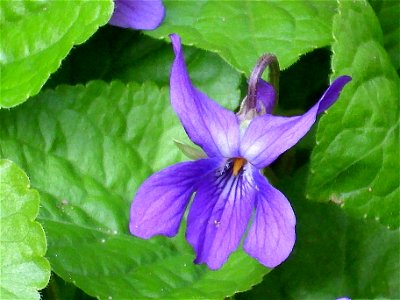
x: 102, y: 124
x: 23, y: 242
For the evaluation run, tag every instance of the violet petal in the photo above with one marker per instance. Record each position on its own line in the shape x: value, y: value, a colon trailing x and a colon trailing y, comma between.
x: 265, y: 97
x: 332, y: 93
x: 219, y: 216
x: 269, y: 136
x: 137, y: 14
x: 272, y: 235
x: 212, y: 127
x: 161, y: 200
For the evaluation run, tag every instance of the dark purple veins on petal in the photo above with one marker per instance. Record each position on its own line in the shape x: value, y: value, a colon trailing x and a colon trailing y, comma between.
x: 160, y: 202
x: 272, y: 235
x: 228, y: 185
x: 219, y: 214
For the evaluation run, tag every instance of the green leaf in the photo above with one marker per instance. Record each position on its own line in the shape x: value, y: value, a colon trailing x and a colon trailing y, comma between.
x: 356, y: 160
x: 62, y: 290
x: 117, y: 54
x: 24, y: 270
x: 344, y: 256
x: 241, y: 31
x: 388, y: 13
x: 99, y: 142
x: 36, y: 36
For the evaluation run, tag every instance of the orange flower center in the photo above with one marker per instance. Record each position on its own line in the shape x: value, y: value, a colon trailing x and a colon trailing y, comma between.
x: 238, y: 164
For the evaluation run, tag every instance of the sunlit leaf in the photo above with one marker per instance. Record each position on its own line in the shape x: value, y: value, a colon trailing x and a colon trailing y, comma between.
x: 241, y: 31
x: 24, y: 270
x: 36, y: 36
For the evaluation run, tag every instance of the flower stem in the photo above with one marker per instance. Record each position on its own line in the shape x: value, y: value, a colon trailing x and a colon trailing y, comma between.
x: 267, y: 60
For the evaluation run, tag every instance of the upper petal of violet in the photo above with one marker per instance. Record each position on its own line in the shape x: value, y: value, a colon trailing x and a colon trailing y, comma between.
x: 272, y: 235
x: 269, y: 136
x: 212, y: 127
x: 138, y: 14
x: 161, y: 200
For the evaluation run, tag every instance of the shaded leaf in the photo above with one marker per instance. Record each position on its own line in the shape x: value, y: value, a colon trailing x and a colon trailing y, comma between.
x: 117, y: 54
x: 62, y: 290
x: 388, y: 13
x: 344, y: 256
x: 356, y: 160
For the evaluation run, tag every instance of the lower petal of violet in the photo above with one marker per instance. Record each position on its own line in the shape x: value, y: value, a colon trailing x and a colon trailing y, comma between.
x: 272, y: 235
x: 219, y: 215
x: 161, y: 200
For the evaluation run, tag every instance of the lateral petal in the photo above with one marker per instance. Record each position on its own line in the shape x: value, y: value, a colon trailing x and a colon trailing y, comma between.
x: 219, y: 216
x: 272, y: 235
x: 332, y: 93
x: 138, y: 14
x: 212, y: 127
x: 269, y: 136
x: 161, y: 200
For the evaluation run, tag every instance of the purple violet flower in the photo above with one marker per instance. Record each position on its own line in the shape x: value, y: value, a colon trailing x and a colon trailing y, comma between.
x: 138, y: 14
x: 228, y: 184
